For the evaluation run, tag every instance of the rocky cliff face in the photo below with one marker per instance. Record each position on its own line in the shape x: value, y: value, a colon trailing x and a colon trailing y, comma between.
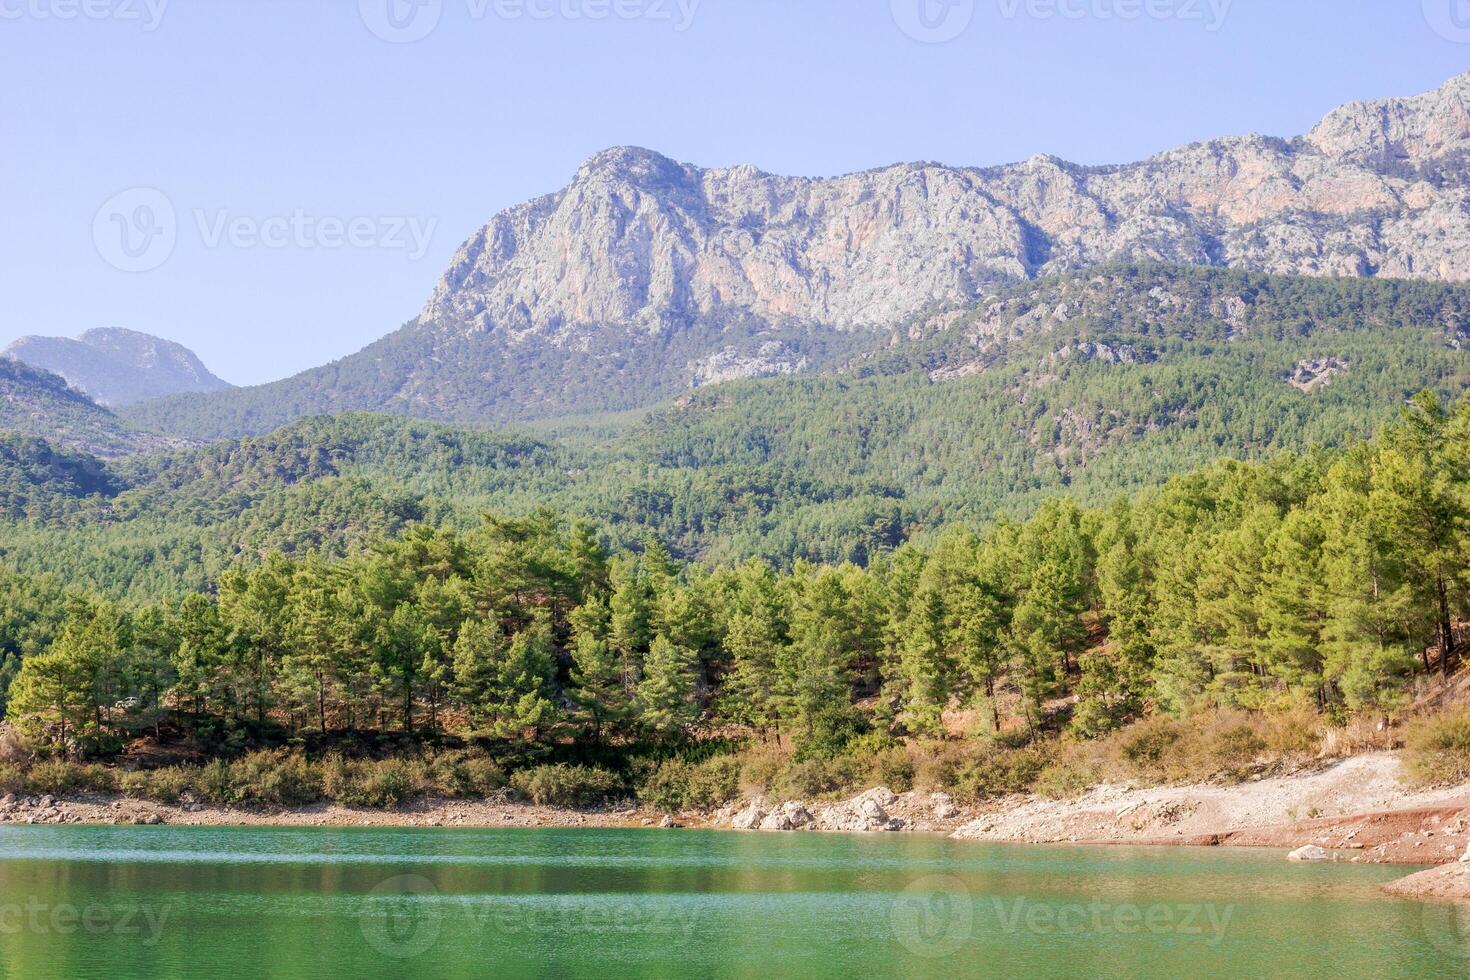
x: 646, y: 277
x: 118, y: 367
x: 641, y: 243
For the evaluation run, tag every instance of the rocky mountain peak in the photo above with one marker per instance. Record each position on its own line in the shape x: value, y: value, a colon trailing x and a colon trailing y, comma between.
x: 1388, y: 131
x: 638, y: 242
x: 633, y: 165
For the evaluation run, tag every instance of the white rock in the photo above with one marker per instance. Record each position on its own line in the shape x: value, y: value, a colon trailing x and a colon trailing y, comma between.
x: 748, y: 819
x: 1309, y: 853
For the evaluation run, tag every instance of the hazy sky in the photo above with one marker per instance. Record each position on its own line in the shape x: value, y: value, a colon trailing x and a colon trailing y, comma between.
x: 276, y: 183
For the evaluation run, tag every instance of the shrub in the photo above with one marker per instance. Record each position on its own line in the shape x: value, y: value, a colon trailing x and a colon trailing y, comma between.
x: 893, y: 768
x: 1146, y: 745
x: 133, y: 784
x: 760, y: 768
x: 1230, y: 750
x: 58, y: 776
x: 167, y: 785
x: 214, y: 783
x: 1298, y: 731
x: 12, y: 779
x: 276, y: 777
x: 1437, y: 750
x: 679, y: 785
x: 999, y: 772
x: 13, y: 747
x: 820, y: 777
x: 830, y: 731
x: 382, y: 785
x: 465, y: 775
x: 1063, y: 780
x: 565, y: 785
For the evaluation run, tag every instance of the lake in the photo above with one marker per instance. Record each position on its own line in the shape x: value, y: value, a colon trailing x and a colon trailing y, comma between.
x: 122, y: 902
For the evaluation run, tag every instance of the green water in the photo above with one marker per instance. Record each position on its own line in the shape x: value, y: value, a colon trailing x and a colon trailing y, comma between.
x: 195, y: 902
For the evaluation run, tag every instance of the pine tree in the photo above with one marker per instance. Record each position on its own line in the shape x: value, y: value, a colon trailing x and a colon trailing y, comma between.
x: 666, y: 703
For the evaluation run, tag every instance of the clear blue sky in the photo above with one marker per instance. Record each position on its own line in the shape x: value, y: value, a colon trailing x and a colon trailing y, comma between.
x: 246, y: 110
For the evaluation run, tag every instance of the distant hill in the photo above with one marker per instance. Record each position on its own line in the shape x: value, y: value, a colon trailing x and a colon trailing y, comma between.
x: 37, y: 403
x: 118, y: 367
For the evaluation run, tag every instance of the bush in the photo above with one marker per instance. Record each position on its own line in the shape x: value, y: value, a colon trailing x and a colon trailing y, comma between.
x: 167, y: 785
x: 277, y: 778
x: 58, y: 776
x: 565, y: 785
x: 465, y: 775
x: 679, y: 785
x: 760, y: 768
x: 381, y: 785
x: 999, y: 772
x: 13, y: 747
x: 389, y: 783
x: 1437, y: 750
x: 1063, y: 780
x: 12, y: 779
x: 1231, y: 750
x: 133, y: 784
x: 1145, y: 747
x: 893, y: 768
x: 830, y: 731
x: 820, y: 777
x: 214, y: 783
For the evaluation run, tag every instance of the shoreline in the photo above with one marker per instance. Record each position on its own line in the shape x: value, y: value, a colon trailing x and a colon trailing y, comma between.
x: 1354, y: 810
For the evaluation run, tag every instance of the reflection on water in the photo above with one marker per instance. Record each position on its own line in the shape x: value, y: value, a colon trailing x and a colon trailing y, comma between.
x: 164, y: 901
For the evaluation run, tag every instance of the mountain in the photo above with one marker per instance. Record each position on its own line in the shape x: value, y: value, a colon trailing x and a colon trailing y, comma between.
x: 37, y: 403
x: 118, y: 367
x: 646, y: 277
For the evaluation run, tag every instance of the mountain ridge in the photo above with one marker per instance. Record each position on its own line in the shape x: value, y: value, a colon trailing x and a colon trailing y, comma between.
x: 645, y: 276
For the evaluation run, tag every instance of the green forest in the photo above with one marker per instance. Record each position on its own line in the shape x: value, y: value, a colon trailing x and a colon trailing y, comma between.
x: 1087, y: 386
x: 1145, y: 496
x: 1325, y: 582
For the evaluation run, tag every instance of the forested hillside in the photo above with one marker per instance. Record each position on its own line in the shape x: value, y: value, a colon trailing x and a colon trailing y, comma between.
x: 1087, y: 385
x: 1322, y: 582
x: 38, y: 403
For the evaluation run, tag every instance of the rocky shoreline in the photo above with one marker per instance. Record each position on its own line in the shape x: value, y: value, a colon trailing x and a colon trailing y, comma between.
x: 1353, y: 810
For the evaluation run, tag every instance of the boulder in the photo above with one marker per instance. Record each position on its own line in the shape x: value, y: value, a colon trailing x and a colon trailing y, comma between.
x: 944, y: 808
x: 776, y: 821
x: 667, y: 822
x: 1309, y: 853
x: 862, y: 814
x: 748, y: 819
x: 799, y: 815
x: 882, y: 795
x: 787, y: 816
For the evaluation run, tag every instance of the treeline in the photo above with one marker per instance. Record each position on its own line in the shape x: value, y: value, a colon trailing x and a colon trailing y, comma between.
x: 1327, y: 580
